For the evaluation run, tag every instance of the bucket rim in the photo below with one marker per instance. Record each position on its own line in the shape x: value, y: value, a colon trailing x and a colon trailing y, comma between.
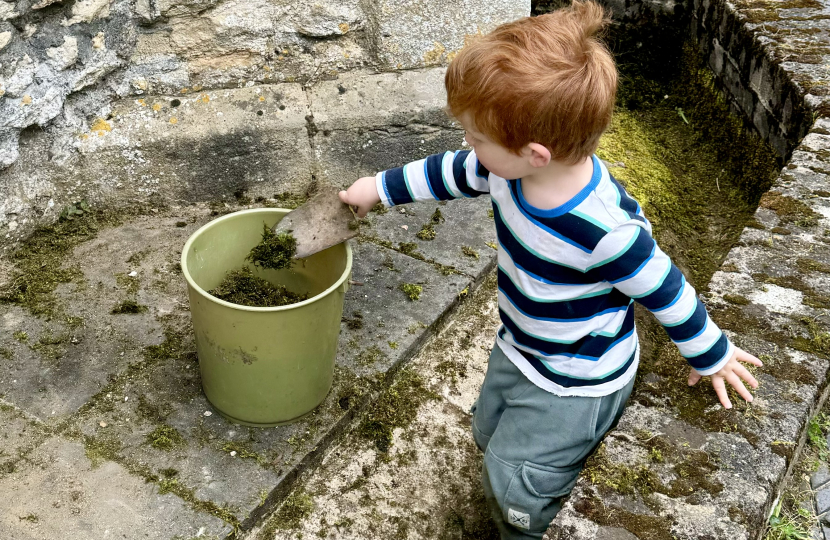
x: 191, y: 283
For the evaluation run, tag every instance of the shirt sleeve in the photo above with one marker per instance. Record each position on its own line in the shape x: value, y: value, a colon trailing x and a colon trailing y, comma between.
x: 629, y: 259
x: 439, y: 177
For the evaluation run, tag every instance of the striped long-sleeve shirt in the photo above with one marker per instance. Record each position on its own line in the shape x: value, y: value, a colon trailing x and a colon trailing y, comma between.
x: 568, y: 276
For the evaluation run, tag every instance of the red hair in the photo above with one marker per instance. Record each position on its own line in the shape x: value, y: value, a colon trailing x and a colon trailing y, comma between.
x: 545, y: 79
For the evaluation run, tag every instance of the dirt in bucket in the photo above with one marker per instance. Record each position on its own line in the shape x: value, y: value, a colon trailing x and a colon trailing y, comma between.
x: 244, y: 288
x: 274, y: 251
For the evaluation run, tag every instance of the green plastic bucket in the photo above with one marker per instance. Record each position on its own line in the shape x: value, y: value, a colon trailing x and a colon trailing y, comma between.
x: 264, y: 366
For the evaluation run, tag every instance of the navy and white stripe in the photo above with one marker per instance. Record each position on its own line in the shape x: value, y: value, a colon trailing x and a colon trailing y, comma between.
x: 568, y: 276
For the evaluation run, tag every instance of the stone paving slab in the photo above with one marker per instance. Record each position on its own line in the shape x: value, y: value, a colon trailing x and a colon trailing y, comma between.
x: 467, y: 219
x: 58, y: 493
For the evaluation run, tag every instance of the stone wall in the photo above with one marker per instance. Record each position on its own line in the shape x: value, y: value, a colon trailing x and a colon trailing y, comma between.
x: 111, y: 100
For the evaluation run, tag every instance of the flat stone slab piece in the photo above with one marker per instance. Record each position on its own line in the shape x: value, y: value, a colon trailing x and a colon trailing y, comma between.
x: 463, y: 223
x: 195, y: 146
x: 416, y: 33
x: 59, y: 494
x: 820, y: 477
x: 53, y: 381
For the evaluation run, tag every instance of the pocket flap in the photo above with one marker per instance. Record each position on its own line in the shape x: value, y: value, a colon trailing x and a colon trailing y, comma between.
x: 549, y: 481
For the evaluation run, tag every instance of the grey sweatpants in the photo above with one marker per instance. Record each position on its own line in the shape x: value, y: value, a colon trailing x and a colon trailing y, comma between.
x: 535, y: 443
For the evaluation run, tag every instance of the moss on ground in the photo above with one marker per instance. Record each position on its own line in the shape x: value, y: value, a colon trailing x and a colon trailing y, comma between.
x: 40, y: 262
x: 242, y: 287
x: 291, y: 514
x: 469, y: 252
x: 274, y: 251
x: 165, y: 437
x: 412, y: 290
x: 395, y: 408
x: 789, y: 210
x: 128, y: 307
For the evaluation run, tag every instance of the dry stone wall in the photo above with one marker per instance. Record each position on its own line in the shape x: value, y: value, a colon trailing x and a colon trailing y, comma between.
x: 75, y: 77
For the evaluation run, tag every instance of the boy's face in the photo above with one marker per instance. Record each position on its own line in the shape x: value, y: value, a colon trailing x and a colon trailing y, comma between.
x: 496, y: 158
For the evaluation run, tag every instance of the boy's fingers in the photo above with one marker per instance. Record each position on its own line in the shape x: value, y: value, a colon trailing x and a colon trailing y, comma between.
x: 744, y: 374
x: 694, y: 376
x: 344, y: 196
x: 744, y: 356
x: 720, y: 390
x: 739, y: 387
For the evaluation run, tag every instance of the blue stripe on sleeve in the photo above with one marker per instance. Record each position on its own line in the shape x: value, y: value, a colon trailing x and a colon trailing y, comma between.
x: 629, y: 205
x: 629, y: 263
x: 667, y: 294
x: 435, y: 176
x: 459, y: 172
x: 690, y: 326
x: 712, y: 356
x: 396, y: 186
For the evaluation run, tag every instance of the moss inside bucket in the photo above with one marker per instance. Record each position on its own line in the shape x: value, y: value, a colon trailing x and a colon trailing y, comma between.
x: 244, y: 288
x: 274, y: 251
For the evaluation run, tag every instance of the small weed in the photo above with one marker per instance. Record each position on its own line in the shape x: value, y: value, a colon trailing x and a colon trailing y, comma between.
x: 21, y: 336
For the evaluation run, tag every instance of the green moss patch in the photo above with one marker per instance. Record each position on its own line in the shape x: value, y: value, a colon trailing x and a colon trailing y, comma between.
x: 789, y: 210
x: 40, y: 261
x: 274, y: 251
x: 293, y: 511
x: 244, y: 288
x: 469, y: 252
x: 165, y: 437
x: 395, y: 408
x: 412, y: 291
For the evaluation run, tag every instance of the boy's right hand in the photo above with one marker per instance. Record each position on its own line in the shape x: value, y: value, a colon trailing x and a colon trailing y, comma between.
x: 363, y: 195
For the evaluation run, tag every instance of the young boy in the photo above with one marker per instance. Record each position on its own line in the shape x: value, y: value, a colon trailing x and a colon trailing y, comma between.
x: 575, y: 251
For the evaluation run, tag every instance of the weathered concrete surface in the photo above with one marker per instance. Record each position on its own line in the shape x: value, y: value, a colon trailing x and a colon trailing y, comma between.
x: 364, y: 124
x: 59, y: 493
x: 427, y: 484
x: 678, y: 465
x: 64, y: 67
x: 401, y: 226
x: 124, y: 389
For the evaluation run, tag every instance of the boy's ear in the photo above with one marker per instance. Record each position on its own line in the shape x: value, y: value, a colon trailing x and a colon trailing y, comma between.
x: 538, y: 154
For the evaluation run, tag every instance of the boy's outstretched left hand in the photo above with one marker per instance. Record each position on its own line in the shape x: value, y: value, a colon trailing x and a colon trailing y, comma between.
x: 732, y: 373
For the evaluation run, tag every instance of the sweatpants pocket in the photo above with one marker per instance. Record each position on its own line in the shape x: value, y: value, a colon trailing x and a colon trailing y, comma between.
x: 533, y: 496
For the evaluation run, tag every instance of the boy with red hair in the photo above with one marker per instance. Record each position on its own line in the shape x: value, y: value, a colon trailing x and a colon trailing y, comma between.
x: 575, y: 252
